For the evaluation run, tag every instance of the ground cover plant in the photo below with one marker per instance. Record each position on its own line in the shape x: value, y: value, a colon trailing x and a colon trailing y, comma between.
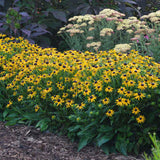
x: 109, y: 29
x: 110, y: 99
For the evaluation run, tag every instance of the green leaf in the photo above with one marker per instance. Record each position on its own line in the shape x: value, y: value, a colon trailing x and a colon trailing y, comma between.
x: 43, y: 124
x: 122, y: 147
x: 105, y: 149
x: 5, y: 113
x: 105, y: 129
x: 82, y: 143
x: 104, y: 139
x: 12, y: 122
x: 30, y: 116
x: 13, y: 115
x: 74, y: 128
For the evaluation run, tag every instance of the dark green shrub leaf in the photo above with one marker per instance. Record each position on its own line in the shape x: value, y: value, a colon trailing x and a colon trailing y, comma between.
x: 5, y: 113
x: 104, y: 139
x: 83, y: 142
x: 60, y: 15
x: 74, y: 128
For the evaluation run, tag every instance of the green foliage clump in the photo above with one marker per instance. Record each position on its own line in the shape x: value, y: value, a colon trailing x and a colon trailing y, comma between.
x: 109, y: 98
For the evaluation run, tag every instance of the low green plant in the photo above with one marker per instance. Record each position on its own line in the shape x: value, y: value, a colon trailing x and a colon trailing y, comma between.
x: 155, y: 148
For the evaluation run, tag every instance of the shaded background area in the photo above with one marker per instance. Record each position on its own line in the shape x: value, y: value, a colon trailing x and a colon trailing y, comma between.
x: 39, y: 20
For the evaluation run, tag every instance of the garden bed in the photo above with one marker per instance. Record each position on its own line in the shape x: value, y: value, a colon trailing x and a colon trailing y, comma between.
x: 27, y: 143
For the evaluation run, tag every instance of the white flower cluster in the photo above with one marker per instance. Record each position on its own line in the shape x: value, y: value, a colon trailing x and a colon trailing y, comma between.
x: 122, y: 47
x: 131, y: 22
x: 95, y: 45
x: 111, y: 13
x: 153, y: 17
x: 106, y: 31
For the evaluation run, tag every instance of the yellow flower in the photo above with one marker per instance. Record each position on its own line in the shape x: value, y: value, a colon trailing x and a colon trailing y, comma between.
x: 152, y: 84
x: 59, y: 101
x: 86, y: 92
x: 131, y: 83
x: 139, y: 95
x: 110, y: 113
x: 142, y: 85
x: 128, y: 93
x: 140, y: 119
x: 121, y: 90
x: 105, y: 101
x: 98, y: 87
x: 37, y: 108
x: 9, y: 104
x: 53, y: 117
x: 69, y: 103
x: 92, y: 98
x: 80, y: 106
x: 20, y: 98
x: 119, y: 102
x: 135, y: 110
x: 126, y: 102
x: 109, y: 89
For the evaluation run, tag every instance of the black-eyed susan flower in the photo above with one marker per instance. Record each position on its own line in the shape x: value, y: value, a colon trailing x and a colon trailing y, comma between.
x: 81, y: 106
x: 142, y: 85
x: 139, y: 95
x: 140, y: 119
x: 49, y: 83
x: 135, y: 110
x: 65, y: 95
x: 128, y: 93
x: 37, y: 108
x: 20, y: 98
x: 92, y: 98
x: 30, y: 88
x: 108, y: 89
x: 9, y: 104
x: 152, y: 85
x: 121, y: 90
x: 59, y: 101
x: 110, y: 112
x: 86, y: 92
x: 131, y: 83
x: 105, y: 101
x: 98, y: 87
x: 119, y: 102
x: 126, y: 102
x: 32, y: 94
x: 69, y: 103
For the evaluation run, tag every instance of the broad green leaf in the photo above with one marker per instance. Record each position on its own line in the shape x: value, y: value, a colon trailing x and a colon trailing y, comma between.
x: 74, y: 128
x: 12, y: 122
x: 104, y: 139
x: 122, y: 147
x: 105, y: 149
x: 83, y: 142
x: 5, y: 113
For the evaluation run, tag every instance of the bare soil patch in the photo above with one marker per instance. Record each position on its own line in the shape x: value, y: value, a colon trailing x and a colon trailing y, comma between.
x: 21, y: 142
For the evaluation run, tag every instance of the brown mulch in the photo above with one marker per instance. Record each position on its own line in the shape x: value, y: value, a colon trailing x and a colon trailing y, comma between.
x: 28, y: 143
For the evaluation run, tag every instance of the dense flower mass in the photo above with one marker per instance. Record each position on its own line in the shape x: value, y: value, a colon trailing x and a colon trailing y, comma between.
x: 84, y: 86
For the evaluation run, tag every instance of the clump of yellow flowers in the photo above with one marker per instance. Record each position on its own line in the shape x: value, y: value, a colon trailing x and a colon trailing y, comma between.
x: 107, y: 89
